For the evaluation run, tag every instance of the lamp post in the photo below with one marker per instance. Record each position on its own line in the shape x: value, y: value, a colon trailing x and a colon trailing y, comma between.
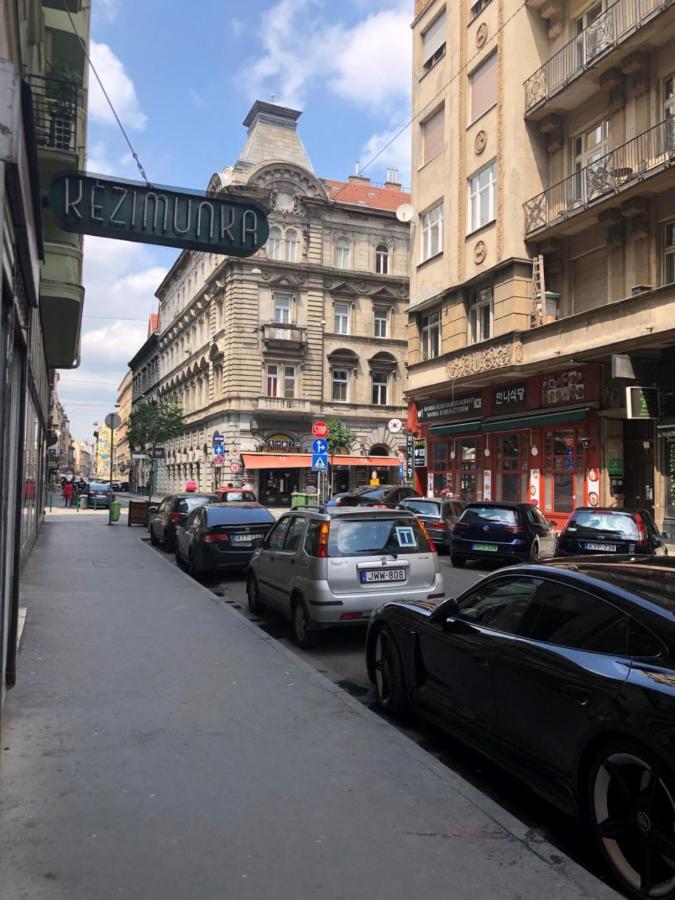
x: 96, y: 451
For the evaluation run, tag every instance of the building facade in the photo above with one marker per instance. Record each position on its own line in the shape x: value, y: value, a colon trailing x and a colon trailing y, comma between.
x: 83, y: 460
x: 122, y: 463
x: 311, y: 327
x: 145, y: 378
x: 543, y: 269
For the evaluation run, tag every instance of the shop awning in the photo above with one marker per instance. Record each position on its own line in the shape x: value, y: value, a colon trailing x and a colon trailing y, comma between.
x: 304, y: 461
x: 376, y: 462
x: 551, y: 418
x: 457, y: 428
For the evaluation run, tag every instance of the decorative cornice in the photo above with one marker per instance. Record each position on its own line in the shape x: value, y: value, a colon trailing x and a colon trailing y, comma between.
x: 483, y: 359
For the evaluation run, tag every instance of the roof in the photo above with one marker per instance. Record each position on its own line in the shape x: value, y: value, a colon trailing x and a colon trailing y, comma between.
x: 362, y: 193
x: 153, y: 323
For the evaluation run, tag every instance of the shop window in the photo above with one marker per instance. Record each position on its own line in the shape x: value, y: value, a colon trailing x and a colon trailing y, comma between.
x: 341, y: 318
x: 343, y: 253
x: 273, y: 245
x: 433, y: 42
x: 483, y: 87
x: 382, y: 259
x: 380, y: 383
x: 669, y: 253
x: 439, y: 454
x: 467, y: 470
x: 381, y: 321
x: 480, y: 316
x: 431, y: 232
x: 433, y: 132
x: 283, y: 305
x: 340, y: 385
x: 430, y: 333
x: 482, y: 196
x: 291, y: 245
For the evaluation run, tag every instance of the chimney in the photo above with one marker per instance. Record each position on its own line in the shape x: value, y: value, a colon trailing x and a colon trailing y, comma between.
x: 359, y: 179
x: 392, y: 183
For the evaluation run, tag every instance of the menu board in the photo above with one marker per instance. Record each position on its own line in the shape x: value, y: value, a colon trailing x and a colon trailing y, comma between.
x: 562, y: 387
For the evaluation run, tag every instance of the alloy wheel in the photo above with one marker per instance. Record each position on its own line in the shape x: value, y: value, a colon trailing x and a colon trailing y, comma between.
x: 383, y: 650
x: 634, y: 817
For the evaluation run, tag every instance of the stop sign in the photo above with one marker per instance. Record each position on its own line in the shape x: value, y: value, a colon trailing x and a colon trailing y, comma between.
x: 320, y: 429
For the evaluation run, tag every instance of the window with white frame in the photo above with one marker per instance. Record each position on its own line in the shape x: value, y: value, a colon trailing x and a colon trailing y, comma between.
x: 343, y: 253
x: 273, y: 245
x: 380, y: 382
x: 433, y: 134
x: 591, y: 38
x: 669, y: 253
x: 340, y: 385
x: 382, y: 259
x: 430, y: 333
x: 480, y: 316
x: 588, y: 149
x: 341, y: 318
x: 431, y: 232
x: 483, y: 87
x: 280, y: 381
x: 291, y: 245
x: 433, y: 41
x: 283, y: 308
x: 669, y: 97
x: 482, y: 196
x: 381, y: 314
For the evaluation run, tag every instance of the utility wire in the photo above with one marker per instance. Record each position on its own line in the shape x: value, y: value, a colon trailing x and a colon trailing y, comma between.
x: 139, y: 165
x: 437, y: 94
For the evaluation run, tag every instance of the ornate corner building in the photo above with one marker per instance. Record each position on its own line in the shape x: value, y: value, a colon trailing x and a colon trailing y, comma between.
x: 311, y: 327
x: 542, y: 314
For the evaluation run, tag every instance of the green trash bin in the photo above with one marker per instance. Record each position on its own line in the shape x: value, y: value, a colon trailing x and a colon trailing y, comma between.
x: 116, y: 510
x: 298, y: 498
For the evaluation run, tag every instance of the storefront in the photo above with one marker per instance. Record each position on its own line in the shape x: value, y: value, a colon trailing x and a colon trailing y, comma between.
x: 536, y: 440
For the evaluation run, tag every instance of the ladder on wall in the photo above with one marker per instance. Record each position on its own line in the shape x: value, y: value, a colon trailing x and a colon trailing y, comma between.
x: 538, y: 291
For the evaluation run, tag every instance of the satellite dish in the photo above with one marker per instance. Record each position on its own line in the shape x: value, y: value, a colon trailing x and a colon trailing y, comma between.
x: 405, y: 212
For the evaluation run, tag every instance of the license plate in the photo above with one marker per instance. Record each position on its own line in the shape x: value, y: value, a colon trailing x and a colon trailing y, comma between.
x: 371, y: 576
x: 491, y: 547
x: 241, y: 538
x: 603, y: 548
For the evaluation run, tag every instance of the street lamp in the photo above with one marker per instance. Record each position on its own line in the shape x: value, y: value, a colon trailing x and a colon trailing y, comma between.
x: 96, y: 451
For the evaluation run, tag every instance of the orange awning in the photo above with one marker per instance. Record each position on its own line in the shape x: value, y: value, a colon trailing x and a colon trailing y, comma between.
x: 304, y: 461
x: 377, y: 462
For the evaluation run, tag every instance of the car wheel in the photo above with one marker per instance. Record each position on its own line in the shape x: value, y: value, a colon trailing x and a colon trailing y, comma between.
x: 153, y: 537
x: 458, y: 561
x: 193, y: 566
x: 305, y: 636
x: 389, y: 677
x: 255, y: 605
x: 534, y: 552
x: 631, y: 808
x: 169, y: 545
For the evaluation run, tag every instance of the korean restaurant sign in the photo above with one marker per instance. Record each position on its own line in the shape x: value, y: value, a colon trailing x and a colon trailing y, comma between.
x: 133, y: 211
x: 442, y: 410
x: 510, y: 396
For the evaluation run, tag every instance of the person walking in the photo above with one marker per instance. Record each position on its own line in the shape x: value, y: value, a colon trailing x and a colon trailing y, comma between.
x: 68, y: 491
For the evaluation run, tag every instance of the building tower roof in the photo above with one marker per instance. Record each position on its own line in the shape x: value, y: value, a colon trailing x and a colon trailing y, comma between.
x: 272, y: 135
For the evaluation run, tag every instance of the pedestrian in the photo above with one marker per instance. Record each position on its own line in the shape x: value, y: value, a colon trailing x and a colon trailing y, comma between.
x: 68, y: 491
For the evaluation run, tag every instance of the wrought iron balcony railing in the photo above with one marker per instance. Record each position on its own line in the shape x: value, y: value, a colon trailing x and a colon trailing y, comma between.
x: 55, y: 106
x: 650, y: 151
x: 611, y: 28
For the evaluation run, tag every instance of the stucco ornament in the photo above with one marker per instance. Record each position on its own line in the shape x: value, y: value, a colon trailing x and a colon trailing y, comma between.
x: 480, y: 142
x: 482, y: 35
x: 474, y: 361
x: 479, y: 252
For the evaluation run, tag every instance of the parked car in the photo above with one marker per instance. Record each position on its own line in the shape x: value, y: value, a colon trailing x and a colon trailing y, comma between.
x: 386, y: 495
x: 564, y: 674
x: 323, y: 567
x: 117, y: 485
x: 98, y: 495
x: 124, y: 485
x: 236, y: 495
x: 516, y: 532
x: 439, y: 516
x: 171, y: 512
x: 221, y: 536
x: 335, y: 499
x: 595, y: 530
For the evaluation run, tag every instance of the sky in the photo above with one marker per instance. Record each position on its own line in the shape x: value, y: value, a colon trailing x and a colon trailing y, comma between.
x: 182, y: 77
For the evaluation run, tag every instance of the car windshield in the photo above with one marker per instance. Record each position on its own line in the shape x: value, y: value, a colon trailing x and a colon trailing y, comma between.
x: 368, y: 537
x: 605, y: 520
x: 423, y: 507
x: 503, y: 515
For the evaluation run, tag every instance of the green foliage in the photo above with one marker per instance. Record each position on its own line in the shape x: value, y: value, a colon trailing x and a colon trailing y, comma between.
x: 339, y: 437
x: 153, y: 423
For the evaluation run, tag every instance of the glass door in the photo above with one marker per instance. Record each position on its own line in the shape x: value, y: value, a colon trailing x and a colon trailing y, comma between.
x: 565, y: 466
x: 512, y: 466
x: 468, y: 483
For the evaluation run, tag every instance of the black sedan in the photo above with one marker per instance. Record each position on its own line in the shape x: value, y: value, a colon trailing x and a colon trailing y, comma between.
x: 565, y: 675
x: 171, y: 512
x: 221, y: 536
x: 595, y: 530
x: 516, y: 532
x: 385, y: 496
x: 439, y: 517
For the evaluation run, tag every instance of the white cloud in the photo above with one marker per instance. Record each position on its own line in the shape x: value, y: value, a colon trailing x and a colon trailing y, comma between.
x: 105, y: 11
x: 99, y: 162
x: 119, y: 87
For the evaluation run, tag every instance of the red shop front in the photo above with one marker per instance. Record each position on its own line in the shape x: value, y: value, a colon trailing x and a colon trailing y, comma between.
x: 533, y: 440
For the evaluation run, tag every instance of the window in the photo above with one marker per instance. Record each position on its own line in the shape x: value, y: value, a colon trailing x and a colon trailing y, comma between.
x: 432, y: 232
x: 275, y: 539
x: 343, y: 253
x: 295, y: 534
x: 382, y: 259
x: 482, y: 192
x: 433, y: 42
x: 433, y: 132
x: 480, y: 316
x: 587, y: 150
x: 592, y: 37
x: 272, y: 380
x: 501, y: 604
x: 289, y: 382
x: 431, y: 335
x: 382, y: 321
x: 669, y: 254
x: 380, y: 381
x: 341, y: 318
x: 280, y: 381
x: 274, y: 243
x: 340, y: 384
x: 291, y: 245
x: 477, y: 8
x: 282, y: 308
x: 669, y: 96
x: 483, y: 87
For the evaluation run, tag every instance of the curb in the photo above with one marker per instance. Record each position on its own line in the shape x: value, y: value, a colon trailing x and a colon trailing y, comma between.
x: 587, y: 884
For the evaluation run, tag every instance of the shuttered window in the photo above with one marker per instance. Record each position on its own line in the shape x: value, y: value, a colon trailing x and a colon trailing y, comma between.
x: 483, y: 87
x: 433, y: 41
x: 432, y: 135
x: 590, y: 281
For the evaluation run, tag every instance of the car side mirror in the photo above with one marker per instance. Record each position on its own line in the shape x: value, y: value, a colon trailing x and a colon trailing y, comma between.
x: 450, y: 607
x: 152, y: 510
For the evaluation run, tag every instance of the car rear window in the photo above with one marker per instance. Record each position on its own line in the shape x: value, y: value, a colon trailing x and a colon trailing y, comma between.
x: 239, y: 496
x: 187, y: 504
x: 238, y: 515
x: 98, y: 488
x: 423, y: 507
x: 501, y: 514
x: 604, y: 520
x: 366, y: 537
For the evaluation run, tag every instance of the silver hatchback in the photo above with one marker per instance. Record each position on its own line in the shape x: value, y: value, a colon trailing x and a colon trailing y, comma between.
x: 325, y: 567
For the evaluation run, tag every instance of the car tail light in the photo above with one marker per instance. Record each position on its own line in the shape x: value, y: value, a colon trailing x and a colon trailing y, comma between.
x: 642, y: 530
x: 515, y: 529
x: 322, y: 544
x: 431, y: 544
x: 217, y: 539
x: 175, y: 517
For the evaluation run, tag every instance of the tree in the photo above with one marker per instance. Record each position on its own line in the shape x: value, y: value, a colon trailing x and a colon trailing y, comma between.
x: 151, y: 425
x: 340, y: 437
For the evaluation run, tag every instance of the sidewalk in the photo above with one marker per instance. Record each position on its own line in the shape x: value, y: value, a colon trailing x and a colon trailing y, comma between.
x: 160, y: 746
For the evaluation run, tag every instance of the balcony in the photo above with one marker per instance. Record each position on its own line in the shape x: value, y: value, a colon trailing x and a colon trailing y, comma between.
x: 283, y: 336
x: 626, y: 167
x: 55, y: 104
x: 593, y: 49
x: 283, y: 405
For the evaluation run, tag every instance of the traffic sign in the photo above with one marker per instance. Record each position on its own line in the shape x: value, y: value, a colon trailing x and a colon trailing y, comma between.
x: 320, y: 446
x: 395, y: 425
x: 112, y: 420
x: 320, y: 430
x: 319, y: 462
x: 218, y: 438
x: 235, y: 468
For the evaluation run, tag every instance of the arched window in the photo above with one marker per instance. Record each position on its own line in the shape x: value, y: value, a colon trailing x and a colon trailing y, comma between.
x: 382, y: 259
x: 274, y: 243
x: 343, y: 253
x: 291, y: 245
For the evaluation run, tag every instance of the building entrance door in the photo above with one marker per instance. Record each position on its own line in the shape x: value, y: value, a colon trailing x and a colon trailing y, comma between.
x: 277, y: 485
x: 638, y: 464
